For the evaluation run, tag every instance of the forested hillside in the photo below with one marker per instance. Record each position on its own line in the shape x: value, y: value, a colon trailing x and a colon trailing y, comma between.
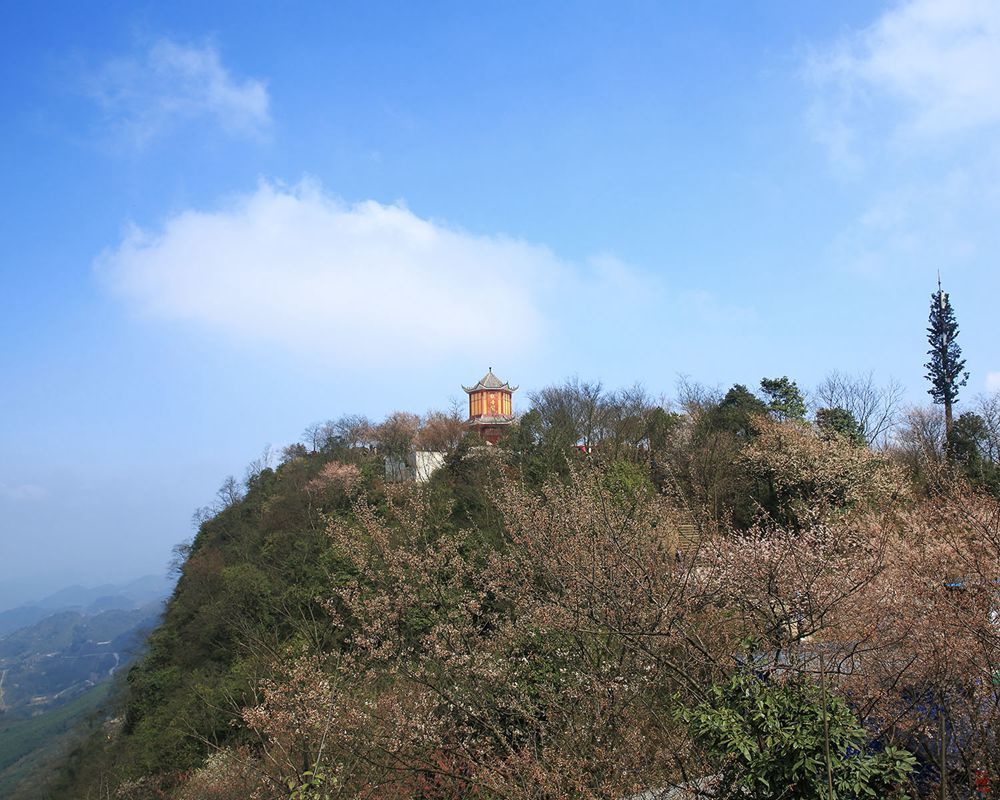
x: 54, y: 676
x: 740, y: 587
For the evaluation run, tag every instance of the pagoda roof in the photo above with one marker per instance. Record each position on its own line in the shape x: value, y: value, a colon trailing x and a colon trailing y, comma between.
x: 490, y: 381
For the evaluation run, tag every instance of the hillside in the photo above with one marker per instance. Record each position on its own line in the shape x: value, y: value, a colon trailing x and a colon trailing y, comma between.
x: 31, y: 746
x: 545, y: 611
x: 55, y: 675
x: 249, y: 588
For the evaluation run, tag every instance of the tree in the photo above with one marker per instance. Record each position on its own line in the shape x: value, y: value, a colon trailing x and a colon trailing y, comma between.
x: 876, y: 408
x: 921, y: 437
x: 354, y: 430
x: 988, y: 409
x: 736, y: 411
x: 441, y: 431
x: 841, y: 422
x: 396, y: 434
x: 970, y: 448
x: 293, y: 451
x: 316, y: 435
x: 808, y: 475
x: 625, y: 430
x: 661, y: 425
x: 718, y: 429
x: 946, y: 367
x: 544, y: 670
x: 785, y: 401
x: 257, y: 467
x: 573, y: 412
x: 230, y: 493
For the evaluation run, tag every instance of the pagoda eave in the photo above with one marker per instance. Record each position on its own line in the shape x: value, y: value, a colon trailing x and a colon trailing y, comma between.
x: 489, y: 420
x: 490, y: 382
x: 506, y: 387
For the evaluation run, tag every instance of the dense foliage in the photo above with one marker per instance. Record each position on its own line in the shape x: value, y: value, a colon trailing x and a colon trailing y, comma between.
x: 572, y: 613
x: 785, y: 738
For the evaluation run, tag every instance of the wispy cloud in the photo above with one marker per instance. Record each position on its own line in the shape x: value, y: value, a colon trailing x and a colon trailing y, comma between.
x: 934, y: 65
x: 993, y: 381
x: 22, y: 492
x: 142, y: 96
x: 908, y: 109
x: 931, y: 221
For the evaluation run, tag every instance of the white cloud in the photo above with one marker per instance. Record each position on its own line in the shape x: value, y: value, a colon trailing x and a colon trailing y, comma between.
x: 993, y: 382
x: 145, y: 95
x: 935, y: 64
x: 908, y: 109
x: 24, y: 492
x: 362, y: 283
x: 923, y: 223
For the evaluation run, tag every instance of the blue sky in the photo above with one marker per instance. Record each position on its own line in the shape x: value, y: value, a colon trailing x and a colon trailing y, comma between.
x: 224, y: 221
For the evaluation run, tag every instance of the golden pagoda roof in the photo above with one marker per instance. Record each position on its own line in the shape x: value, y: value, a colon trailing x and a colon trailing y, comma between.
x: 490, y: 381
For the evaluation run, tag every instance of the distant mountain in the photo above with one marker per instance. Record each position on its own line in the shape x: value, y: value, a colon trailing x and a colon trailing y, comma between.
x: 75, y: 596
x: 88, y: 600
x: 136, y: 593
x: 16, y: 618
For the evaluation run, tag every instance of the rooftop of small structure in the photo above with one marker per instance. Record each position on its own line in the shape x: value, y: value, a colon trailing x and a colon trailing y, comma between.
x: 490, y: 381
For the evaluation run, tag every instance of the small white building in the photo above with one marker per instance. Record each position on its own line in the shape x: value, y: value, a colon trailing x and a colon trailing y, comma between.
x: 418, y: 466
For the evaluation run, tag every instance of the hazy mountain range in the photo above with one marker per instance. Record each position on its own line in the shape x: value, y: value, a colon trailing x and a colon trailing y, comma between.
x: 88, y: 600
x: 57, y: 657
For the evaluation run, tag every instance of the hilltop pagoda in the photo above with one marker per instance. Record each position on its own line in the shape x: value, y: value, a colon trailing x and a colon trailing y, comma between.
x: 491, y: 406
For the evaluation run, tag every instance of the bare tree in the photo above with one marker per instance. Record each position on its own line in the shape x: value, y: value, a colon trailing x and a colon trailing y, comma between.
x: 625, y: 420
x: 695, y: 398
x: 876, y: 408
x: 316, y: 435
x: 179, y: 555
x: 395, y: 436
x: 576, y: 409
x: 201, y: 515
x: 988, y: 407
x: 440, y: 431
x: 354, y: 430
x: 264, y: 461
x: 230, y: 493
x: 919, y: 444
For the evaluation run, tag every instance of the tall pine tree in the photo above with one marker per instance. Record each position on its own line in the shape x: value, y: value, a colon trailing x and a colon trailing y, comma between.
x: 946, y: 368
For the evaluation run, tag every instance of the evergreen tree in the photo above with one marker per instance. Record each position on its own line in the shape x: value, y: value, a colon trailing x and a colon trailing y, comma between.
x: 735, y: 413
x: 970, y: 451
x: 784, y: 400
x: 945, y: 370
x: 841, y: 422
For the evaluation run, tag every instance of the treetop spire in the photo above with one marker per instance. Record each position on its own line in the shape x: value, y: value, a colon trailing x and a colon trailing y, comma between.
x: 946, y: 367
